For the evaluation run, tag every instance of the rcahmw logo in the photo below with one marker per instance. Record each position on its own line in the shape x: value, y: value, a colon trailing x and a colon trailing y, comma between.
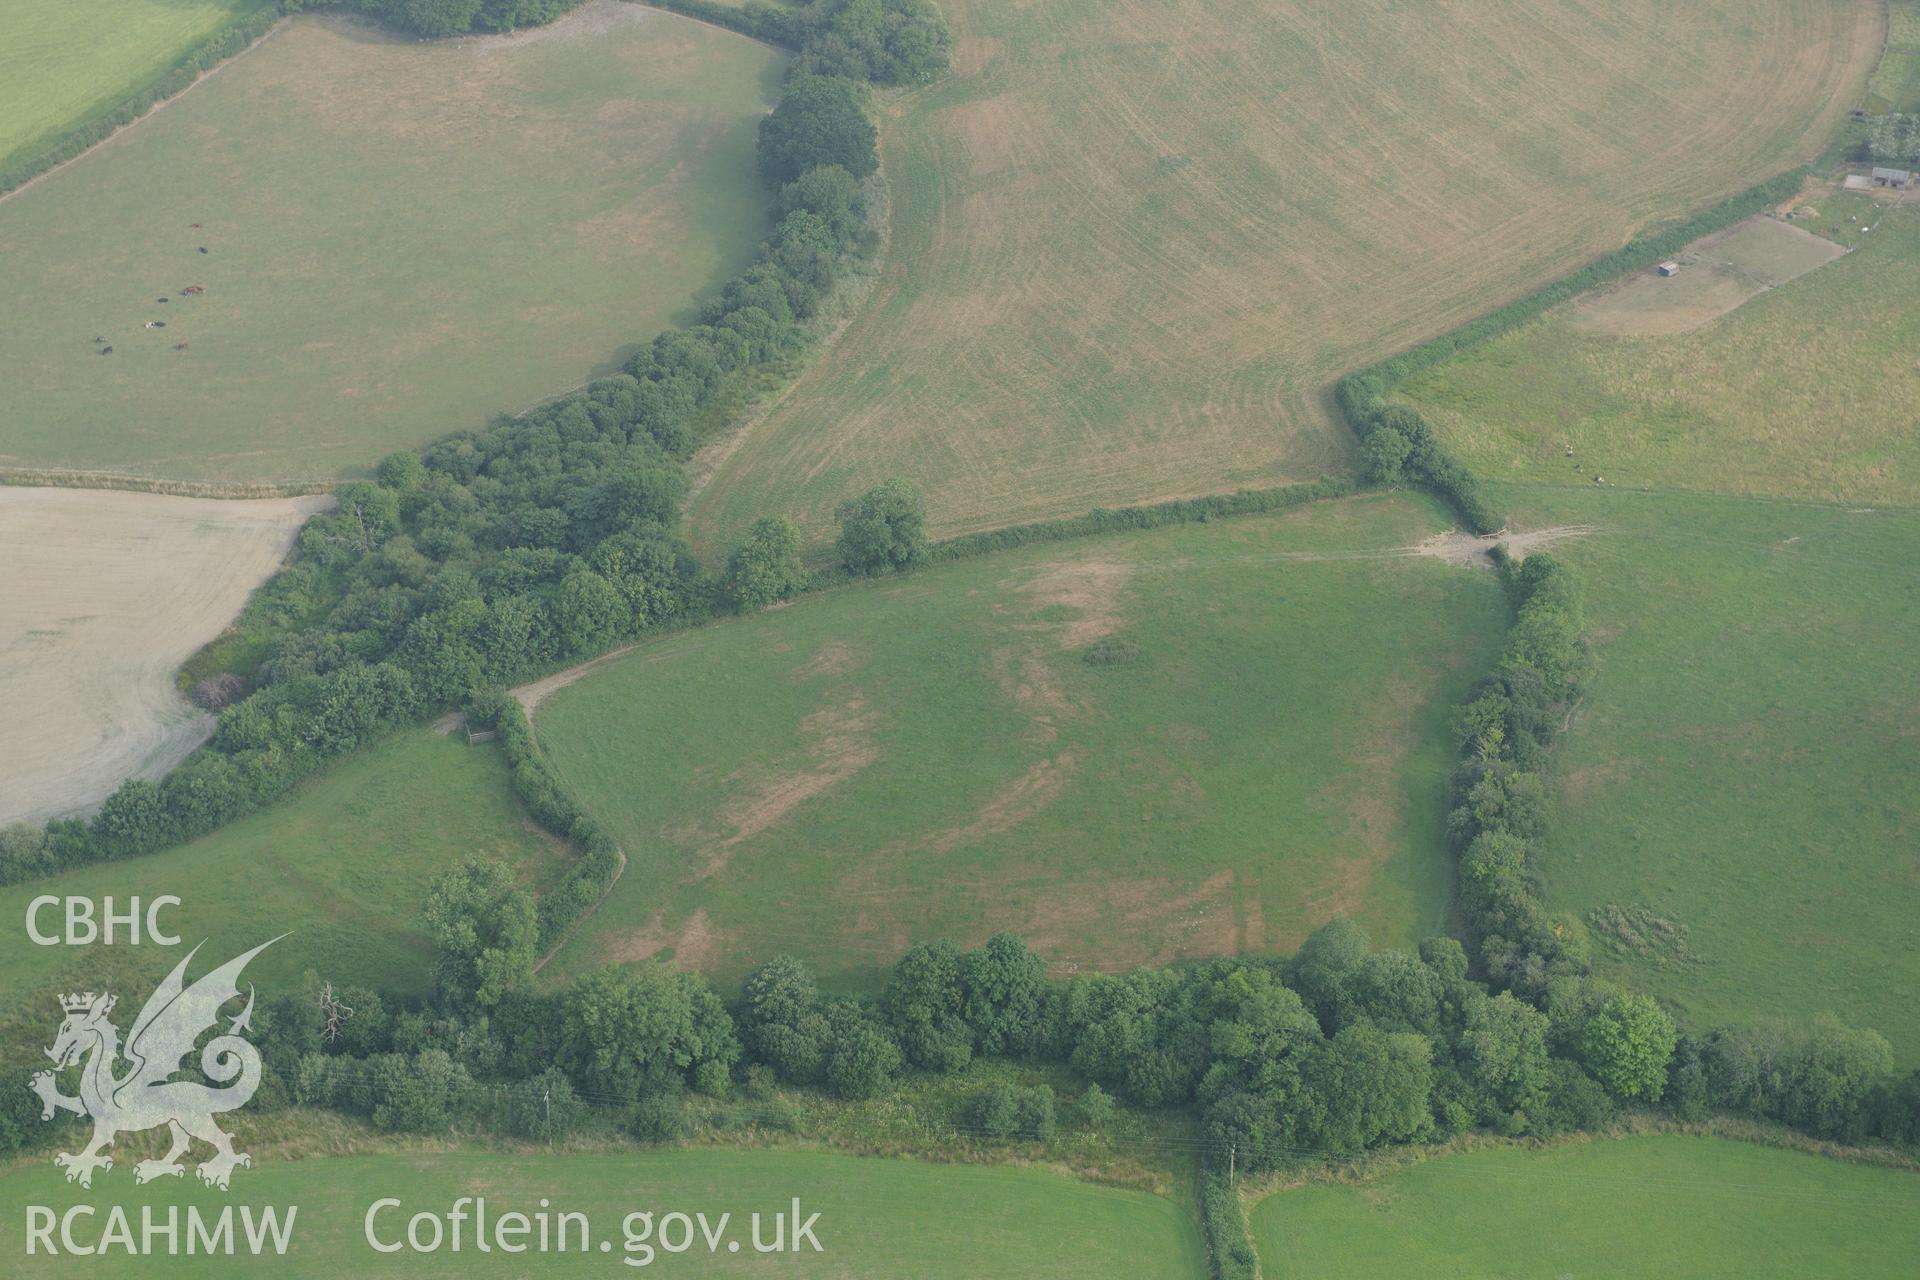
x: 145, y: 1096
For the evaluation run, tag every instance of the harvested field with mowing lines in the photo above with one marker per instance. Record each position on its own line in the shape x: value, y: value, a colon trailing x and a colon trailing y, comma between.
x: 1737, y: 812
x: 344, y: 862
x: 105, y: 595
x: 1703, y: 1208
x: 879, y: 1219
x: 1810, y: 390
x: 63, y: 63
x: 1189, y: 742
x: 400, y: 239
x: 1132, y: 244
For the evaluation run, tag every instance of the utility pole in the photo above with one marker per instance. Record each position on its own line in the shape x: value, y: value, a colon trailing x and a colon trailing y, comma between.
x: 546, y: 1099
x: 1233, y: 1153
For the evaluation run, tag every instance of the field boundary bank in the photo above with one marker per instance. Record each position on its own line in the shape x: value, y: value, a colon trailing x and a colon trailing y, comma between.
x: 57, y: 478
x: 193, y: 66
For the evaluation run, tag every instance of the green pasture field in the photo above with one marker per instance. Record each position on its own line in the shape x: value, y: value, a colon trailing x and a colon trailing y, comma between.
x: 402, y: 239
x: 937, y: 756
x: 1743, y: 764
x: 1810, y: 390
x: 343, y: 864
x: 62, y: 63
x: 1895, y: 85
x: 1703, y: 1208
x: 879, y: 1219
x: 1133, y: 242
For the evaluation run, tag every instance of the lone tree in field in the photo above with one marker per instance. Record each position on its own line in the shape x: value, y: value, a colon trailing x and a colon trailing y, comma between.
x: 819, y: 121
x: 884, y: 528
x: 766, y: 567
x: 1628, y: 1043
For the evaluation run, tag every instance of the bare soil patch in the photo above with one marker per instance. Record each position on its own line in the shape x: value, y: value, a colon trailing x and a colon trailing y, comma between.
x: 1027, y: 796
x: 103, y: 595
x: 1470, y: 549
x: 836, y: 658
x: 693, y: 942
x: 842, y: 745
x: 1091, y: 588
x: 1147, y: 920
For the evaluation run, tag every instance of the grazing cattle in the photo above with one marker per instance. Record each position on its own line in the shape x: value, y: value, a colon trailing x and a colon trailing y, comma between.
x: 159, y: 299
x: 106, y: 351
x: 180, y: 346
x: 203, y: 248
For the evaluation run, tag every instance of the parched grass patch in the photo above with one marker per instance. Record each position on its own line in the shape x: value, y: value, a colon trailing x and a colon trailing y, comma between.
x: 342, y: 865
x: 1808, y: 390
x: 1133, y: 243
x: 1195, y: 741
x: 401, y: 239
x: 63, y: 63
x: 1716, y: 274
x: 878, y: 1219
x: 1737, y: 789
x: 1704, y: 1208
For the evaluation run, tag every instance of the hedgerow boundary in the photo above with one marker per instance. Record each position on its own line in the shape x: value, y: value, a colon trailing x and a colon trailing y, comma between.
x: 229, y: 41
x: 1511, y: 719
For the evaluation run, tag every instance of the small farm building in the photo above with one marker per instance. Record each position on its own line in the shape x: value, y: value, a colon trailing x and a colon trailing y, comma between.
x: 1891, y: 177
x: 1669, y: 268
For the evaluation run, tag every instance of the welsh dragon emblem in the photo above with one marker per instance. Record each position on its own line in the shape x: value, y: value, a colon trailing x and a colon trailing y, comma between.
x: 145, y: 1096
